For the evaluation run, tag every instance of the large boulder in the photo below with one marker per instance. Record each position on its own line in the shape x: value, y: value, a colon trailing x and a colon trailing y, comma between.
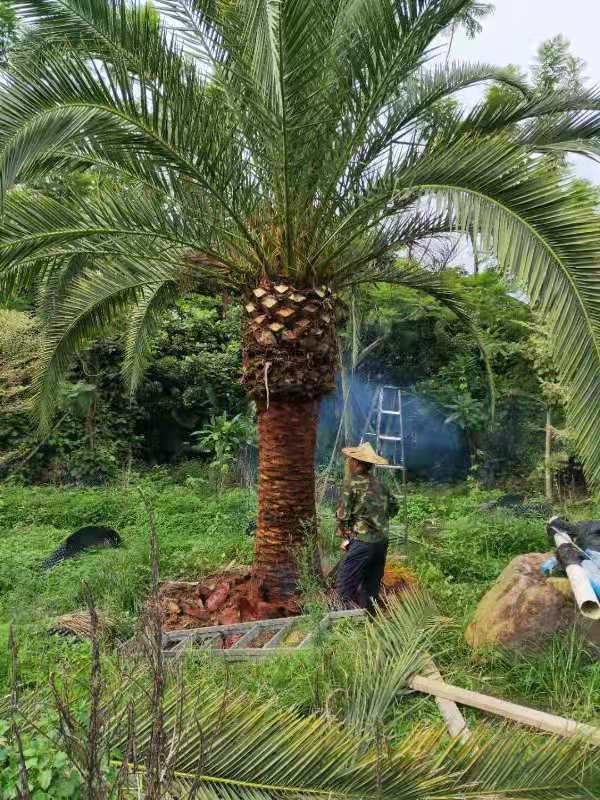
x: 523, y: 609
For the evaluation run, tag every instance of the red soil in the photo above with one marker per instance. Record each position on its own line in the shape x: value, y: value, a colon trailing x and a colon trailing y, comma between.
x: 232, y: 597
x: 217, y: 600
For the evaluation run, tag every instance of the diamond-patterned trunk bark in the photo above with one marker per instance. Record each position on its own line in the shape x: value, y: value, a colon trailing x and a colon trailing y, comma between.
x: 290, y: 357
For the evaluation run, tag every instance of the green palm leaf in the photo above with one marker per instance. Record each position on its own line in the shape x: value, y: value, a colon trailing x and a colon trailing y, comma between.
x: 548, y: 239
x: 240, y: 748
x: 282, y: 137
x: 143, y: 324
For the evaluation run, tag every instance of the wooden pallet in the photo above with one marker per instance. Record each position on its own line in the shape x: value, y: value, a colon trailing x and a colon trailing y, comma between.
x: 251, y: 643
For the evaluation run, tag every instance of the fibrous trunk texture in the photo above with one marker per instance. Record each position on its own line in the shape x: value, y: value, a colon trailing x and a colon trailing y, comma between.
x: 290, y: 356
x: 290, y: 349
x: 286, y: 496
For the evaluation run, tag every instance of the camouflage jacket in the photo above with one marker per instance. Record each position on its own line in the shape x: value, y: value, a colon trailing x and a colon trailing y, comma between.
x: 365, y: 508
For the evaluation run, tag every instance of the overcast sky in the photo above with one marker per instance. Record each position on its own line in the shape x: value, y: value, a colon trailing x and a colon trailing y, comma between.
x: 513, y: 33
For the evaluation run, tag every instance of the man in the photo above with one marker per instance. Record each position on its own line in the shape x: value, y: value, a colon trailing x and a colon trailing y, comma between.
x: 363, y: 516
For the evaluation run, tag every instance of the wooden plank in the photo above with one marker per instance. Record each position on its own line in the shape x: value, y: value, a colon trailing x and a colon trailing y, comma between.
x: 279, y: 636
x: 455, y: 722
x: 247, y: 637
x: 525, y: 716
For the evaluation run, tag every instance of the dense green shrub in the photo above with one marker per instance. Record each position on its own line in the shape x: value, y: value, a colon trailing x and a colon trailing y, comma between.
x: 193, y: 375
x: 51, y: 776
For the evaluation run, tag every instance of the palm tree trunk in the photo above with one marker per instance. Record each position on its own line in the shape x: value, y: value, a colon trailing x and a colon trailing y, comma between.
x: 289, y: 361
x: 287, y: 435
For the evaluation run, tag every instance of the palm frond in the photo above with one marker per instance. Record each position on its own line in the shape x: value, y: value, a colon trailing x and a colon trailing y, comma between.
x: 243, y: 749
x: 127, y: 224
x: 536, y: 117
x: 547, y: 237
x: 95, y: 301
x: 172, y: 120
x: 395, y: 646
x: 420, y: 92
x: 107, y: 29
x: 143, y: 324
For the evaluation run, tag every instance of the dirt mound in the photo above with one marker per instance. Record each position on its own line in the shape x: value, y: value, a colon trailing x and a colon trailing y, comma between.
x: 232, y: 596
x: 398, y: 578
x: 222, y: 599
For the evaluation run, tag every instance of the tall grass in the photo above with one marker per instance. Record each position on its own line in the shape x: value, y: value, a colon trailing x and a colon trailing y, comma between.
x: 461, y: 551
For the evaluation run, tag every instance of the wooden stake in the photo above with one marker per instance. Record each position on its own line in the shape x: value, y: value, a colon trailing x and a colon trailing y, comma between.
x: 455, y: 722
x: 559, y: 726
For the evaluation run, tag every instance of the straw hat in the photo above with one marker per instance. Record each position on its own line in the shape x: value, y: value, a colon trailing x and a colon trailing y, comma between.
x: 366, y: 453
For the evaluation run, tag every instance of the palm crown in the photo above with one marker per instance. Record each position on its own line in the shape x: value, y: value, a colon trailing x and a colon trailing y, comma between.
x: 265, y: 144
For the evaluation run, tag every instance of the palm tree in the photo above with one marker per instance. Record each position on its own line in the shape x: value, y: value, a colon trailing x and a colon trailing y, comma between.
x: 274, y: 149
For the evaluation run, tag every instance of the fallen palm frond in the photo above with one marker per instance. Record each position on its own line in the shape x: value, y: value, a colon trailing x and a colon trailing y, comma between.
x: 228, y: 745
x: 241, y: 747
x: 395, y: 646
x: 79, y: 624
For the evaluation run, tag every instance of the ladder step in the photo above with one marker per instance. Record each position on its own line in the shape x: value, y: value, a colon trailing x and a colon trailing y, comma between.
x: 248, y: 637
x: 391, y: 438
x: 389, y: 413
x: 279, y: 635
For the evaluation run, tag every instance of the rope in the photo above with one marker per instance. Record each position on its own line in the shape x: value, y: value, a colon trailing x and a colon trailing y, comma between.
x: 266, y: 380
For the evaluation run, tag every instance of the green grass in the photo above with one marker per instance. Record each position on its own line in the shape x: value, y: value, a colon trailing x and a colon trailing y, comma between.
x: 460, y: 551
x: 198, y: 535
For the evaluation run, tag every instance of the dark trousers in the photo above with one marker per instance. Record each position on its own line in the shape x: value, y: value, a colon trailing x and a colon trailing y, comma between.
x: 359, y: 575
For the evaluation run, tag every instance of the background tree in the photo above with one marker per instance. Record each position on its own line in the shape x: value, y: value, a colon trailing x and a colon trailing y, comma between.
x: 557, y: 68
x: 267, y: 158
x: 8, y: 29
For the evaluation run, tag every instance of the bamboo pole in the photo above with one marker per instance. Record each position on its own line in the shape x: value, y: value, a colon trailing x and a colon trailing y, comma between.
x: 559, y: 726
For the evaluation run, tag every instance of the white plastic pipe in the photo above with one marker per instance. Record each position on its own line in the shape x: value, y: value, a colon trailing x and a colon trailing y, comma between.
x: 583, y: 592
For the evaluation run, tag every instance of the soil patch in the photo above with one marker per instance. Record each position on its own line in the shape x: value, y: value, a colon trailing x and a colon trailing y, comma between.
x: 223, y: 599
x: 231, y: 597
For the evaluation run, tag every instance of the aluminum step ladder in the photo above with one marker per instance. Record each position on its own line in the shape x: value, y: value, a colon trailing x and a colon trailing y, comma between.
x: 256, y: 639
x: 387, y: 404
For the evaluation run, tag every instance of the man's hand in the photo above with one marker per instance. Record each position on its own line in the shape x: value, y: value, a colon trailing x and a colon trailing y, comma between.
x: 345, y: 544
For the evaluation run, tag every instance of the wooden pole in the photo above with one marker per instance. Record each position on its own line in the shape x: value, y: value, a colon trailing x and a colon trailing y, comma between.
x: 559, y: 726
x: 455, y: 722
